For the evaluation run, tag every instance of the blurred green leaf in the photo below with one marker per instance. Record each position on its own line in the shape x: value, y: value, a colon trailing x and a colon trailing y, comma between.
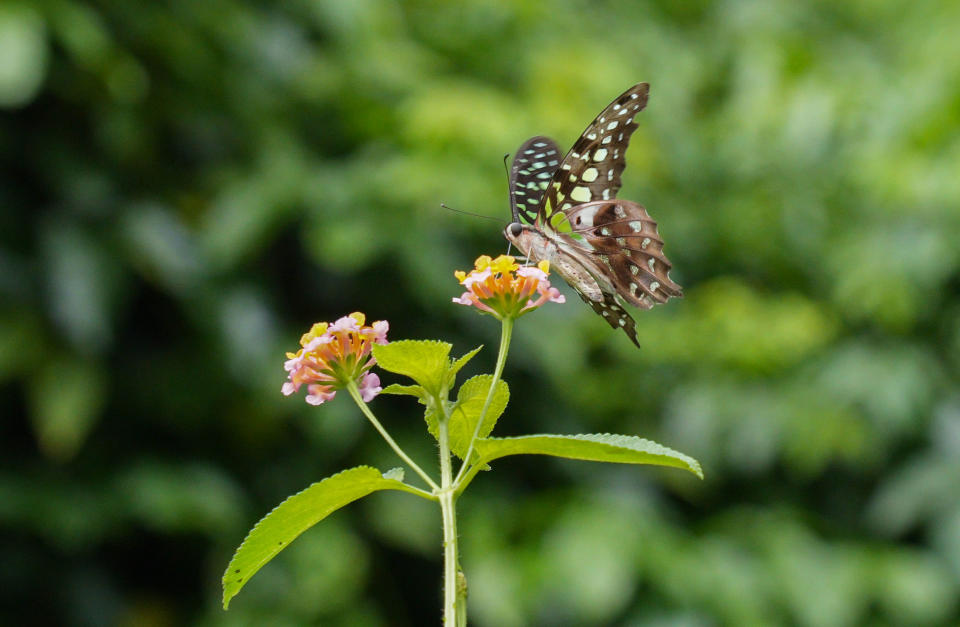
x: 13, y: 329
x: 180, y: 497
x: 183, y: 184
x: 728, y: 322
x: 66, y: 397
x: 84, y: 285
x: 23, y: 48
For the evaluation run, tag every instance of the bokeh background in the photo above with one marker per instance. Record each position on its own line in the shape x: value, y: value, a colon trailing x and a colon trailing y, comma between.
x: 187, y: 186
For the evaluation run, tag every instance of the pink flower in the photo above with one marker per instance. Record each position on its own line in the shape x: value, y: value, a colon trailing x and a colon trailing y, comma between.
x: 333, y: 356
x: 317, y: 394
x: 369, y: 387
x: 503, y: 289
x: 378, y: 332
x: 346, y: 324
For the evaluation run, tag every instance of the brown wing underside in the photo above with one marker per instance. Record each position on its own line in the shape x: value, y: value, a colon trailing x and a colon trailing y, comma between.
x: 625, y: 240
x: 615, y: 315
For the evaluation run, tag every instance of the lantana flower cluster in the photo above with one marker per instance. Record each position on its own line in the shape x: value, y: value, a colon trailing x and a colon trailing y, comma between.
x: 504, y: 289
x: 332, y: 356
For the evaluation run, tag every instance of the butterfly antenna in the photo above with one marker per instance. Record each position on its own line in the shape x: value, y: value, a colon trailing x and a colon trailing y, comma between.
x: 513, y: 204
x: 469, y: 213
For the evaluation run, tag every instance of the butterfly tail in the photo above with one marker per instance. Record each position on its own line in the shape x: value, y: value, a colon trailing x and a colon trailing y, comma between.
x: 615, y: 315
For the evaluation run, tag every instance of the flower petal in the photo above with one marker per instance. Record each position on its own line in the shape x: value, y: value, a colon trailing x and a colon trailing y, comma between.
x: 333, y: 356
x: 369, y: 387
x: 318, y: 394
x: 502, y: 288
x: 531, y: 272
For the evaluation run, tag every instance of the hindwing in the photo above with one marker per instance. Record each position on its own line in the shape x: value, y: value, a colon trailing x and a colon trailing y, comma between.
x: 624, y: 238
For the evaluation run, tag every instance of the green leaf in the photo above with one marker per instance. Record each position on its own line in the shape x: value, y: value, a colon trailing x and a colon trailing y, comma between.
x: 424, y: 361
x: 605, y: 447
x: 470, y: 399
x: 298, y: 513
x: 66, y: 398
x: 395, y: 473
x: 407, y: 390
x: 420, y: 360
x: 458, y: 364
x: 432, y: 417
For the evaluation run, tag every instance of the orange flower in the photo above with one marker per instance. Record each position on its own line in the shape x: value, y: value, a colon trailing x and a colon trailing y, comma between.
x: 504, y: 289
x: 333, y: 355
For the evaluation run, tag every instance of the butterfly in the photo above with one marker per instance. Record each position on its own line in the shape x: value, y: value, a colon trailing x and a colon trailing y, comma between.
x: 566, y: 211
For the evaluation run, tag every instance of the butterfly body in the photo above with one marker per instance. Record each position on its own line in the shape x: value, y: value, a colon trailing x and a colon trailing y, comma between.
x: 579, y: 270
x: 607, y: 249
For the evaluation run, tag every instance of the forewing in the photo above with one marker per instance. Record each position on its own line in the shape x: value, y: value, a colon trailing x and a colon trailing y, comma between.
x: 624, y: 237
x: 591, y: 170
x: 533, y: 168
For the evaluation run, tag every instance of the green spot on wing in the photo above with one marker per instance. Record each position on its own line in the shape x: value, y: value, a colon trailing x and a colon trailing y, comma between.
x: 559, y: 222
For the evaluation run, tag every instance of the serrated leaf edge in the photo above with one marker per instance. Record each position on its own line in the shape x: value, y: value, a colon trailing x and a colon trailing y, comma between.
x: 226, y: 575
x: 457, y: 364
x: 501, y: 384
x: 612, y: 439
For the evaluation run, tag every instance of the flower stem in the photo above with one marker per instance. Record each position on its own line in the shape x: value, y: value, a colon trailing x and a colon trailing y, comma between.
x: 461, y: 599
x: 355, y: 393
x: 505, y: 333
x: 448, y: 505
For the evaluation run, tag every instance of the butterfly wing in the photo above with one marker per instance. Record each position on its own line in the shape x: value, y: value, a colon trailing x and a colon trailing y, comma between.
x: 625, y: 240
x: 615, y: 315
x: 591, y: 170
x: 533, y: 168
x: 613, y: 241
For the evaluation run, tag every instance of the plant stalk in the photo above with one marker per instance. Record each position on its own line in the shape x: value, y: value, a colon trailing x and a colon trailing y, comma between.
x: 355, y: 393
x: 452, y: 611
x: 506, y: 331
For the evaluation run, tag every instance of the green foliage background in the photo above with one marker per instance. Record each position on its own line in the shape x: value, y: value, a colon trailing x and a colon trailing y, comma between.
x: 187, y: 186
